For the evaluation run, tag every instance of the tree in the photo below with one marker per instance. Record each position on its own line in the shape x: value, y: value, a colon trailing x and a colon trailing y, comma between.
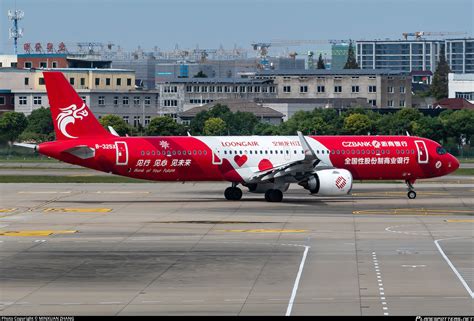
x: 164, y: 126
x: 40, y: 126
x: 439, y: 86
x: 351, y: 59
x: 12, y: 124
x: 214, y: 127
x: 200, y: 74
x: 218, y: 111
x: 321, y: 62
x: 357, y: 124
x: 117, y: 123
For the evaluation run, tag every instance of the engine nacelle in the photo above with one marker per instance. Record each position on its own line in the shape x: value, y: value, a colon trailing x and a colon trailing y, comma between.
x: 329, y: 182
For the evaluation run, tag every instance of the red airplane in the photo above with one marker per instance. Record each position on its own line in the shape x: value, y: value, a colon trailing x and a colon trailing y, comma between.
x: 324, y: 165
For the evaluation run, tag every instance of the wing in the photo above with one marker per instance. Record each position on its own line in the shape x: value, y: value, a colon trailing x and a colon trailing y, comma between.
x: 299, y: 169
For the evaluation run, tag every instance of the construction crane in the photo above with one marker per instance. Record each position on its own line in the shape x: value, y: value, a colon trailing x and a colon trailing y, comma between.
x: 420, y: 34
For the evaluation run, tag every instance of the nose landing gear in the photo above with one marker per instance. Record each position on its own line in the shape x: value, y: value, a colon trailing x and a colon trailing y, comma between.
x: 411, y: 190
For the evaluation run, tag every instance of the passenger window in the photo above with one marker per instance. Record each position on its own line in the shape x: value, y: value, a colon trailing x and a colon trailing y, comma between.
x: 142, y: 153
x: 153, y: 152
x: 205, y: 152
x: 179, y: 152
x: 225, y: 152
x: 157, y: 152
x: 148, y: 153
x: 266, y: 152
x: 261, y: 152
x: 287, y: 152
x: 173, y: 152
x: 240, y: 152
x: 342, y: 152
x: 358, y: 152
x: 194, y: 152
x: 337, y: 151
x: 281, y: 152
x: 271, y: 152
x: 199, y: 152
x: 363, y: 152
x: 373, y: 151
x: 295, y: 151
x: 403, y: 152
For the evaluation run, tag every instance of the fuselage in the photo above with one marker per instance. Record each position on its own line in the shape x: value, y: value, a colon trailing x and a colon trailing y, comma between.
x: 238, y: 158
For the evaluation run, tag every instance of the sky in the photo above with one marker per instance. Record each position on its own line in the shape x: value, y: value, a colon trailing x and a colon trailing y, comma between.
x: 211, y: 23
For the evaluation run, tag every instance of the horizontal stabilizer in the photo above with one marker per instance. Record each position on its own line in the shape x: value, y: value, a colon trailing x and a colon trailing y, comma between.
x: 32, y: 146
x: 83, y: 152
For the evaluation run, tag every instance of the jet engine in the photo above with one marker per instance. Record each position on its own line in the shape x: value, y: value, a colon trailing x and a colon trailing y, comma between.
x: 329, y: 182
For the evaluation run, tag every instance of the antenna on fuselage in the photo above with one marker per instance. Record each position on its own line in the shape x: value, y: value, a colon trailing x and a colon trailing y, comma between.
x: 408, y: 134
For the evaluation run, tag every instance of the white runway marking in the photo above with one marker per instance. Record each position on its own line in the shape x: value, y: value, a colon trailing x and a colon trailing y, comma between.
x: 297, y: 281
x: 44, y: 192
x: 379, y: 280
x: 452, y: 266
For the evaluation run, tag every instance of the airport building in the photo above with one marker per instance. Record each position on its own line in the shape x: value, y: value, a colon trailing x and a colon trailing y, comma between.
x: 401, y: 55
x: 8, y: 61
x: 460, y: 55
x: 186, y: 93
x: 461, y: 86
x: 416, y: 54
x: 105, y: 91
x: 290, y: 91
x: 378, y: 88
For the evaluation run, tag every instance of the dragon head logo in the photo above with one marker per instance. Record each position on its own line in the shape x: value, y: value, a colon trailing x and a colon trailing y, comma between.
x: 69, y: 115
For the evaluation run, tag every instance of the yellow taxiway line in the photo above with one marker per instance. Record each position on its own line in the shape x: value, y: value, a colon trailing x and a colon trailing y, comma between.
x: 77, y: 210
x: 266, y: 231
x: 35, y: 233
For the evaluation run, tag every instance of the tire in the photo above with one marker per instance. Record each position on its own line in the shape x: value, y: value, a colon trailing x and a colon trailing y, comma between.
x: 233, y: 193
x: 236, y: 194
x: 267, y: 195
x: 227, y: 193
x: 411, y: 195
x: 273, y: 195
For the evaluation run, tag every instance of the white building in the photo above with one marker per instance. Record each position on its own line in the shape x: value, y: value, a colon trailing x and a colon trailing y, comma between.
x: 461, y: 86
x: 8, y: 61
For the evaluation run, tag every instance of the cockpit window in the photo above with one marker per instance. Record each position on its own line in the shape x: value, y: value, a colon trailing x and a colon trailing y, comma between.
x: 441, y: 151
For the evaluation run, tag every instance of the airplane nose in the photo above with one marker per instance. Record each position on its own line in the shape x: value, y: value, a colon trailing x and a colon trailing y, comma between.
x: 454, y: 163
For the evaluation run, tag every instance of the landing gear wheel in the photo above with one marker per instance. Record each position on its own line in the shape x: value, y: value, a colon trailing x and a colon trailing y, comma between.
x: 411, y: 195
x: 233, y: 193
x: 273, y: 195
x: 411, y: 191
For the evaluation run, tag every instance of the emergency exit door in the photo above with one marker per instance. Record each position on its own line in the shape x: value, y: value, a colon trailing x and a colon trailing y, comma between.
x: 121, y: 153
x: 422, y: 152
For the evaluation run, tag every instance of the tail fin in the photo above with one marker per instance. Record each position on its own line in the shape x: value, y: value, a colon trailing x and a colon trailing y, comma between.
x: 71, y: 116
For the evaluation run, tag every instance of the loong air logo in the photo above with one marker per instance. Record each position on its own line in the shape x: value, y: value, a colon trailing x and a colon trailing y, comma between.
x: 68, y: 116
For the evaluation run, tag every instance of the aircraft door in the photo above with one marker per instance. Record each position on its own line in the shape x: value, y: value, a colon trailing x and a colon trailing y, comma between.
x: 422, y: 152
x: 121, y: 153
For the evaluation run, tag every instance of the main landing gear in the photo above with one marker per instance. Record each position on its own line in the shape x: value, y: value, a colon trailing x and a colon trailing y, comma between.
x: 411, y: 190
x: 233, y: 193
x: 273, y: 195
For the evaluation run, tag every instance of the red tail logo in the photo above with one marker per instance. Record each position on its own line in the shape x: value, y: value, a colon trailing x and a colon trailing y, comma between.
x: 68, y: 116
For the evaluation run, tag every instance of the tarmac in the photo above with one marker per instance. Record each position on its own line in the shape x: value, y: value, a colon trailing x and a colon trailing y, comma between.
x: 182, y: 249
